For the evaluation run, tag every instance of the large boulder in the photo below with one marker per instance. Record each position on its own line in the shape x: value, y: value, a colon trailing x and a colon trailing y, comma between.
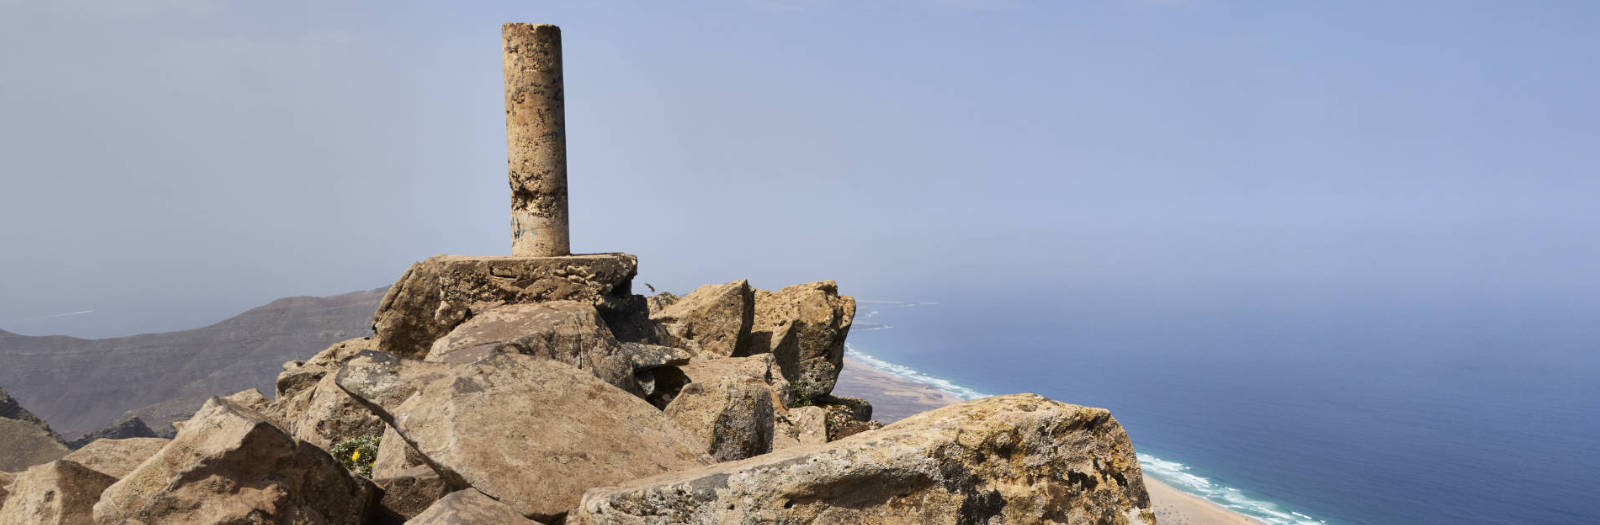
x: 129, y: 427
x: 797, y: 426
x: 567, y: 331
x: 116, y: 457
x: 469, y: 507
x: 313, y: 408
x: 228, y: 464
x: 56, y: 493
x: 763, y: 368
x: 847, y: 416
x: 436, y: 295
x: 533, y: 433
x: 26, y: 439
x: 301, y: 376
x: 804, y: 326
x: 409, y: 484
x: 330, y: 416
x: 1008, y: 459
x: 712, y: 321
x: 732, y: 416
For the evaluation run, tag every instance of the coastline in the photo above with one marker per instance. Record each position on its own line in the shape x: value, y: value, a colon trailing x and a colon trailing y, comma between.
x: 894, y: 397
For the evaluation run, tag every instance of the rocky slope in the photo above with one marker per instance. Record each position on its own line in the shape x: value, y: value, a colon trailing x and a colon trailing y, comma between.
x: 80, y: 385
x: 539, y: 390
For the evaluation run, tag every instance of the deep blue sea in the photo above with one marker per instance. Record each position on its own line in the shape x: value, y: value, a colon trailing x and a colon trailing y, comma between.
x: 1355, y: 411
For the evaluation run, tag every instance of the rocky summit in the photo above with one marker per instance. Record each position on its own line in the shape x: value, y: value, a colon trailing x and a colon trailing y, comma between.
x: 712, y: 408
x: 537, y: 388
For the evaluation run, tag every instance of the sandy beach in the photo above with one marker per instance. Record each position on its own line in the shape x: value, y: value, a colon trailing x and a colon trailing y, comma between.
x: 894, y: 398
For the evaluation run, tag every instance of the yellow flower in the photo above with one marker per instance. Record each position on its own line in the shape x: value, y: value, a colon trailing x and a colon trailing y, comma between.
x: 356, y: 456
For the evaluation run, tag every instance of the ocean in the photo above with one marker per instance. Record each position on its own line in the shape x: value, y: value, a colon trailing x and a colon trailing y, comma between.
x: 1357, y: 412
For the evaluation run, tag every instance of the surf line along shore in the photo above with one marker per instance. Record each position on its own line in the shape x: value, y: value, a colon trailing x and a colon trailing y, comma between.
x: 894, y: 397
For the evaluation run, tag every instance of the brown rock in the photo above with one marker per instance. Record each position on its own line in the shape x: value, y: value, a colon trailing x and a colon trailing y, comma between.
x: 116, y: 457
x: 469, y: 507
x: 530, y: 432
x: 5, y: 485
x: 395, y: 456
x: 436, y: 295
x: 848, y: 416
x: 27, y: 444
x: 230, y: 465
x: 59, y: 492
x: 26, y: 439
x: 798, y: 426
x: 567, y: 331
x: 302, y: 376
x: 331, y: 416
x: 410, y: 492
x: 759, y: 367
x: 712, y: 321
x: 409, y: 484
x: 805, y: 326
x: 1008, y: 459
x: 733, y: 416
x: 660, y: 301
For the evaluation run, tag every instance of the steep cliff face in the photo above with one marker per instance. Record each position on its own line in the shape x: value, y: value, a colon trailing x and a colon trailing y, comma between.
x: 80, y: 385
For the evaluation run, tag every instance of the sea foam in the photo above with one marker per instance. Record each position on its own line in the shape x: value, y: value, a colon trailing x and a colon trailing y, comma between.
x: 1172, y: 473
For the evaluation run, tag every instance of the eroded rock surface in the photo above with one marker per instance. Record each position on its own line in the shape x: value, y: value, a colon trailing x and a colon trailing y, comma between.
x: 228, y: 464
x: 533, y: 433
x: 763, y: 368
x: 302, y: 376
x: 60, y: 492
x: 732, y: 416
x: 116, y: 457
x: 409, y: 484
x: 330, y: 416
x: 799, y: 426
x: 712, y: 321
x: 469, y: 507
x: 566, y: 331
x: 1007, y: 459
x: 804, y: 326
x: 436, y: 295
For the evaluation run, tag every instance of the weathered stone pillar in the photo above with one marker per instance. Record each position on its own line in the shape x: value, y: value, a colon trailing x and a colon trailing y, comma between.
x: 536, y: 140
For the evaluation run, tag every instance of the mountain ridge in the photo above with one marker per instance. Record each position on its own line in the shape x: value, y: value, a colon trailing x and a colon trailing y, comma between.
x: 80, y: 385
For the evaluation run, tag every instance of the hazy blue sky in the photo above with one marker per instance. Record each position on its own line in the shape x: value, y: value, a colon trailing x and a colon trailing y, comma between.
x: 167, y: 164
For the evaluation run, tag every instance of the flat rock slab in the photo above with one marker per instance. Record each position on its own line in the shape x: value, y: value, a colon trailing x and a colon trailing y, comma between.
x: 532, y: 433
x: 1007, y: 459
x: 436, y: 295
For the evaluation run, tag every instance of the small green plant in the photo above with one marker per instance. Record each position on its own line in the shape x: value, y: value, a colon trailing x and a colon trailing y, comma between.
x: 358, y: 453
x: 802, y: 394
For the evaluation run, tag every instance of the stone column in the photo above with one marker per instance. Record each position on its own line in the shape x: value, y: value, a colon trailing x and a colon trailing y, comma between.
x: 536, y: 140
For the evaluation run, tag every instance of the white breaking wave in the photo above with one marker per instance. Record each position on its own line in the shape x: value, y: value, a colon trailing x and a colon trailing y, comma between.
x: 1178, y: 475
x: 1170, y: 472
x: 910, y: 373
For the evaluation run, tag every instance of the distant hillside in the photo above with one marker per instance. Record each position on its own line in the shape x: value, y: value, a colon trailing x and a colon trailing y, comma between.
x: 80, y: 385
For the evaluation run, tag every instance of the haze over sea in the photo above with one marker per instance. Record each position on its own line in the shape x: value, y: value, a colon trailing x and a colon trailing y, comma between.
x: 1374, y: 410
